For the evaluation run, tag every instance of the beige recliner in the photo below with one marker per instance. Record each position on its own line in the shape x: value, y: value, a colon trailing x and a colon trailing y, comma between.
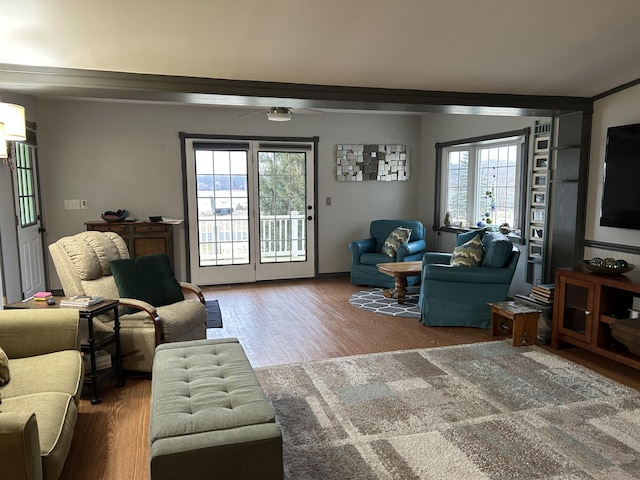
x: 82, y: 262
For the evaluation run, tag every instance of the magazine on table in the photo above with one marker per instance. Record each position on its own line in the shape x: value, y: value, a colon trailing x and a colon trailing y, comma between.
x: 80, y: 301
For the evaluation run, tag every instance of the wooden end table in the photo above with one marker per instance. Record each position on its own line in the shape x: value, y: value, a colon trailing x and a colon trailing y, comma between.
x: 516, y: 319
x: 400, y: 271
x: 93, y: 342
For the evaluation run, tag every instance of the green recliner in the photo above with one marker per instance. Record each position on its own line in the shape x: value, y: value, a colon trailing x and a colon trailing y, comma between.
x: 458, y: 296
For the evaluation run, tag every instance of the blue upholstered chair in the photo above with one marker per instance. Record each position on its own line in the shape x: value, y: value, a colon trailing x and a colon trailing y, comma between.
x: 458, y: 295
x: 366, y: 253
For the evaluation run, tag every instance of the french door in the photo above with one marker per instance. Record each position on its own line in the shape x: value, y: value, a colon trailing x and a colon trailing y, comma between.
x: 250, y: 209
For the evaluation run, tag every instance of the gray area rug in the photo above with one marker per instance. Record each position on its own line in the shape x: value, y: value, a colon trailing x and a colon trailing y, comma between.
x: 480, y: 411
x: 375, y: 301
x: 214, y: 316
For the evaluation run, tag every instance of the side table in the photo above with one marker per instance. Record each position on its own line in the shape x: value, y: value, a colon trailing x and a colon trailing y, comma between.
x: 516, y: 319
x: 94, y: 341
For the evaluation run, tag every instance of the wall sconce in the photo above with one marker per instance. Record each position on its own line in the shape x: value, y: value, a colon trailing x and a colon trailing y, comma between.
x: 12, y: 126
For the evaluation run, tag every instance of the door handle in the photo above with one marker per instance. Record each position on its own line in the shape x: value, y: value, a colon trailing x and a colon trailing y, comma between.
x: 41, y: 230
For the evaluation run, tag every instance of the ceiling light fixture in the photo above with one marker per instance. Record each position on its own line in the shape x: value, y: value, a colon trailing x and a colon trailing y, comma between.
x: 12, y: 126
x: 279, y: 114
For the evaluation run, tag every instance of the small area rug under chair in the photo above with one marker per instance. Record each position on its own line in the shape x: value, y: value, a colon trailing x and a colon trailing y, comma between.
x: 214, y: 316
x: 480, y: 411
x: 374, y: 300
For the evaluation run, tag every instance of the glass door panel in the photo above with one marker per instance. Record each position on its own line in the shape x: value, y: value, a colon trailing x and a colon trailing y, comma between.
x: 577, y: 317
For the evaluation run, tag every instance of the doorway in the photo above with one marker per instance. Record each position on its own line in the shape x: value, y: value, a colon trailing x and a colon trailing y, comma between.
x: 251, y: 211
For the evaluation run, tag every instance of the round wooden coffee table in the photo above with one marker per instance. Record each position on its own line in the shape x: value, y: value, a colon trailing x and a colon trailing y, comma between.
x: 400, y: 271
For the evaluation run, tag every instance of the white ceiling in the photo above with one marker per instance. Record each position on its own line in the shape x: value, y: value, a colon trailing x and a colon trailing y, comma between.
x: 546, y: 47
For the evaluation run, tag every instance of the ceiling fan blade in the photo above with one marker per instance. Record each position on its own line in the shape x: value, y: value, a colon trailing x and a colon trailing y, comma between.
x: 306, y: 111
x: 255, y: 112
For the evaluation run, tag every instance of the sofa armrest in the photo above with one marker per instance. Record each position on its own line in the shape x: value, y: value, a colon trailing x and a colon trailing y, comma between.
x: 358, y: 247
x: 410, y: 248
x: 474, y: 275
x: 20, y: 446
x: 436, y: 257
x: 30, y: 332
x: 190, y: 288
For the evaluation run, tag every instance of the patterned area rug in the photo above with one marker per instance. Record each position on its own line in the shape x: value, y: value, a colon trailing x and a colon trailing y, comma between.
x: 480, y: 411
x: 375, y: 301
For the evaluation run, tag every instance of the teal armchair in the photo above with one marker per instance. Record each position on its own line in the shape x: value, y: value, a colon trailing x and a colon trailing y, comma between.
x: 367, y: 253
x: 458, y: 296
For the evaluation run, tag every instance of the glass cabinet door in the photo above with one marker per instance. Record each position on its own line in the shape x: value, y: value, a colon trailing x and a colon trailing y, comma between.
x: 576, y: 317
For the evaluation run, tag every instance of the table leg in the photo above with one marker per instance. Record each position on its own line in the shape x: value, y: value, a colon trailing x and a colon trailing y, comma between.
x: 401, y: 288
x: 95, y: 399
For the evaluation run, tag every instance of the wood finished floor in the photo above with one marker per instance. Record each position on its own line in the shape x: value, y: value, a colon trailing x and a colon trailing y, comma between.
x: 276, y: 322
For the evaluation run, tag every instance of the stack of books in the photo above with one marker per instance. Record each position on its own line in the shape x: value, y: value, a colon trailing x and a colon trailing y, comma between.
x: 103, y: 360
x: 42, y: 296
x: 543, y: 293
x: 80, y: 301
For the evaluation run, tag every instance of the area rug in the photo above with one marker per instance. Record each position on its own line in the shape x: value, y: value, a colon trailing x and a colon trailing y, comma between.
x: 214, y: 316
x: 480, y: 411
x: 375, y: 301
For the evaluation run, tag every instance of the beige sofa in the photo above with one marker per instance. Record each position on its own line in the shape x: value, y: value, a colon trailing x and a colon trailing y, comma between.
x: 83, y: 262
x: 39, y: 403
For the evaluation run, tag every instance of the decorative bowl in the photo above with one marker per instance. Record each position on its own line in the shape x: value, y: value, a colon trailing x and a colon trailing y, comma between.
x: 607, y: 270
x: 155, y: 219
x: 118, y: 216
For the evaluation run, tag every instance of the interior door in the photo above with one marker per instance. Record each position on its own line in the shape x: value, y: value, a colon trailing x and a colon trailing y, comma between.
x: 250, y: 208
x: 29, y: 228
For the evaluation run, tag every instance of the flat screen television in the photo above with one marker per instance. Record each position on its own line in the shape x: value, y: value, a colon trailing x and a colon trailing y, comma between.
x: 621, y: 196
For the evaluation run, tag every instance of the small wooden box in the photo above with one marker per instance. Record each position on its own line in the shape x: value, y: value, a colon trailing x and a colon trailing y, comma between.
x: 515, y: 319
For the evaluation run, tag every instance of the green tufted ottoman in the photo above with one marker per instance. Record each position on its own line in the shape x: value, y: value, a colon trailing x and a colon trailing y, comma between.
x: 209, y: 416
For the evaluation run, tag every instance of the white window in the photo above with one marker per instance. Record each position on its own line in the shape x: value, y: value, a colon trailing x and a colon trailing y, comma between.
x: 482, y: 181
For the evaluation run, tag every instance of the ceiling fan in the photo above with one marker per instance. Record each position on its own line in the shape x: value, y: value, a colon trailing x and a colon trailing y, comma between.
x: 282, y: 114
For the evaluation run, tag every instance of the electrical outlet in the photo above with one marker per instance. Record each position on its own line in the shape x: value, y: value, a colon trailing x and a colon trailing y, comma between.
x: 83, y: 205
x: 72, y: 204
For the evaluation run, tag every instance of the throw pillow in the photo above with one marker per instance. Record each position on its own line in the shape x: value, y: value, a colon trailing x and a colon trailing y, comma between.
x: 4, y: 368
x: 469, y: 254
x: 395, y: 240
x: 149, y: 278
x: 463, y: 238
x: 497, y: 250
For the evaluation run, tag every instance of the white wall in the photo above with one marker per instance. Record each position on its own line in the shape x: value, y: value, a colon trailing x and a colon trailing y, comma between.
x: 118, y: 155
x: 621, y: 108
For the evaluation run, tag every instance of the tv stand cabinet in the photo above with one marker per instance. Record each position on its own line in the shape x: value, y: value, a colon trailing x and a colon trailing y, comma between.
x: 586, y: 304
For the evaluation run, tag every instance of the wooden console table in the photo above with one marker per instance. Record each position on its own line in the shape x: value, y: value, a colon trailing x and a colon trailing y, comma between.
x: 586, y: 304
x: 142, y: 238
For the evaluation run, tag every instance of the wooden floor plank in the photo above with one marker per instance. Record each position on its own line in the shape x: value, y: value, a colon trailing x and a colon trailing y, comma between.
x: 276, y: 322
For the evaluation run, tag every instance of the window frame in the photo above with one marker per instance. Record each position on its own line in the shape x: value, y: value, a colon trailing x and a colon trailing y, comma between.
x: 487, y: 140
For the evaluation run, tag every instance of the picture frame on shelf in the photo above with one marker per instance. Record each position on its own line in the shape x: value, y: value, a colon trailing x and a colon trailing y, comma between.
x: 535, y: 249
x: 542, y: 144
x: 539, y: 180
x: 540, y: 162
x: 537, y: 215
x: 537, y: 232
x: 538, y: 198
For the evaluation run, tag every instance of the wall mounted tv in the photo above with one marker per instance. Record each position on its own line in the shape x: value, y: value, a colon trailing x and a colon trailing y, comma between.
x: 621, y: 196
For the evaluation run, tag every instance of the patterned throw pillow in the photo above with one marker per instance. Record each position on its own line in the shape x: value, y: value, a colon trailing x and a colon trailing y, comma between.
x: 4, y: 367
x: 469, y: 254
x: 395, y: 240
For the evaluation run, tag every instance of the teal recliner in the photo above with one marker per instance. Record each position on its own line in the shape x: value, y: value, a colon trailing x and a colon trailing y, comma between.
x: 458, y: 296
x: 366, y: 253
